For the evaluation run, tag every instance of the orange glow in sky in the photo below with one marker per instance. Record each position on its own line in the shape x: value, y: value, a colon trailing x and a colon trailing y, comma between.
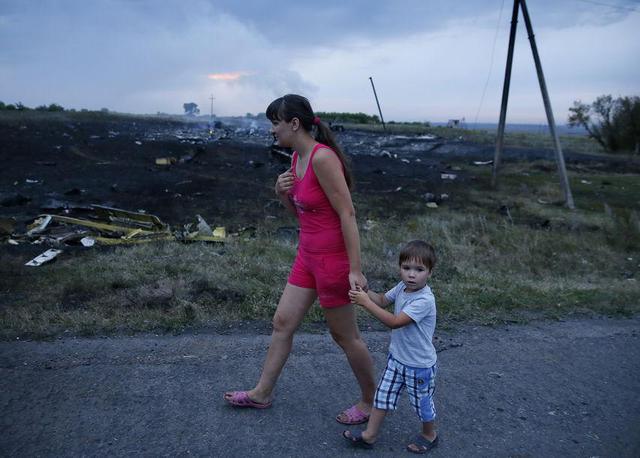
x: 229, y: 76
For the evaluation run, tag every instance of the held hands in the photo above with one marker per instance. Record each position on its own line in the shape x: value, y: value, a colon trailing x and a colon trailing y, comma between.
x: 358, y: 296
x: 284, y: 183
x: 357, y: 279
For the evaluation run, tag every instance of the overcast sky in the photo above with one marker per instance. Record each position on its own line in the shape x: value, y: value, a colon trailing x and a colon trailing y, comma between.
x: 431, y: 60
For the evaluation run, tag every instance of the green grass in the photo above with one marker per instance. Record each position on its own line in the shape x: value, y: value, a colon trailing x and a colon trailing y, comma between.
x: 491, y: 269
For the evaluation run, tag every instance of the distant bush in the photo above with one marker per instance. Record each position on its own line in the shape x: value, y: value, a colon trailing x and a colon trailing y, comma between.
x: 52, y: 107
x: 613, y: 123
x: 357, y: 118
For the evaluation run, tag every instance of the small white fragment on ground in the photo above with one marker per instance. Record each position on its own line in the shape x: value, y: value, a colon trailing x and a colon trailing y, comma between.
x: 482, y: 162
x: 138, y: 142
x: 87, y: 241
x: 585, y: 182
x: 448, y: 176
x: 44, y: 257
x: 432, y: 205
x: 369, y: 224
x: 12, y: 242
x: 29, y: 180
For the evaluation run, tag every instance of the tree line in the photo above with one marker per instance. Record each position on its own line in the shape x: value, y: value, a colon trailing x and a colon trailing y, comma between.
x: 20, y: 107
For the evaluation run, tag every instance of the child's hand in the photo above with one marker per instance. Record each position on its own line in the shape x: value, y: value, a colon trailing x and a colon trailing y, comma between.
x: 358, y: 296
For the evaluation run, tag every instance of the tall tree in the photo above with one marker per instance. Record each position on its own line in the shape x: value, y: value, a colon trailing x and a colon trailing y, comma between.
x: 613, y: 123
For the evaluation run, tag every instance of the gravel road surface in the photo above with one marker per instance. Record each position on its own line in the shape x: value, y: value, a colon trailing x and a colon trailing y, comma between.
x: 552, y: 389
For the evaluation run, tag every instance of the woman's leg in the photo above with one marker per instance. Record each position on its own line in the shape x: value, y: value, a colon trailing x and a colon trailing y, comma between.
x: 344, y: 330
x: 294, y: 304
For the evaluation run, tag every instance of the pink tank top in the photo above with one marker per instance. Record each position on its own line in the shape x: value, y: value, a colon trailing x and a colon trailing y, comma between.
x: 320, y: 230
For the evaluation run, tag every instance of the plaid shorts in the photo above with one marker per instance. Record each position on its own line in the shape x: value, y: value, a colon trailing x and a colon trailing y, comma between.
x: 420, y: 384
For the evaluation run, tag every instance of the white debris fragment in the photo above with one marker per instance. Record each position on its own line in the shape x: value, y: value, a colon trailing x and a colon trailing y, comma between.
x: 44, y: 257
x: 41, y: 224
x: 448, y: 176
x: 87, y: 241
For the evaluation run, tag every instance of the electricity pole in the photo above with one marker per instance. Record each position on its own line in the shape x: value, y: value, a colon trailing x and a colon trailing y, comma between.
x: 211, y: 117
x: 564, y: 181
x: 378, y: 103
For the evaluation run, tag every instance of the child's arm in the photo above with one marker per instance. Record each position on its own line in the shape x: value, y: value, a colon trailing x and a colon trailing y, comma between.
x: 370, y: 302
x: 378, y: 298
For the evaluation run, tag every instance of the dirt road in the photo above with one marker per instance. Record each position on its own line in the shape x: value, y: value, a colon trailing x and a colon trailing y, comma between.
x: 545, y: 389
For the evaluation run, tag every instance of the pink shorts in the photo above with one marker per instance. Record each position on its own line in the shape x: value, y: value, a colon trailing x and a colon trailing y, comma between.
x: 328, y: 274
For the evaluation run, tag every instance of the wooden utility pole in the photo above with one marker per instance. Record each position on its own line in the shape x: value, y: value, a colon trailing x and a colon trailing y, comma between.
x: 377, y: 103
x: 564, y: 181
x: 211, y: 116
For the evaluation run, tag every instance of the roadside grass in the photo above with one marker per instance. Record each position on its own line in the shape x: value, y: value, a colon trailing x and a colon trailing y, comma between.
x: 536, y: 260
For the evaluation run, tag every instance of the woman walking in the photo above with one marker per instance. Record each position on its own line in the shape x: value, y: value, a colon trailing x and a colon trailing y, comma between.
x: 317, y: 190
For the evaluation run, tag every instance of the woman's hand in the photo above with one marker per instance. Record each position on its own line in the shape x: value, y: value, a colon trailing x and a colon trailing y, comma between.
x: 284, y: 183
x: 357, y: 279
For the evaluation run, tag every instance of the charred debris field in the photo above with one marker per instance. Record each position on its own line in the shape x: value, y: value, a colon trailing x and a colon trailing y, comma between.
x: 184, y: 174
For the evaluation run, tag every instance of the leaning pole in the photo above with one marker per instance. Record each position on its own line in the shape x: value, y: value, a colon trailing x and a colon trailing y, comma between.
x: 377, y: 103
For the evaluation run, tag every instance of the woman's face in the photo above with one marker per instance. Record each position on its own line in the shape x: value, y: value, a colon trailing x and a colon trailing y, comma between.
x: 283, y: 132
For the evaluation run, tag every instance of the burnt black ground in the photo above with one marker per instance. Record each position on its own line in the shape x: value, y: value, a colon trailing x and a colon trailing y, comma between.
x: 553, y: 389
x: 63, y: 165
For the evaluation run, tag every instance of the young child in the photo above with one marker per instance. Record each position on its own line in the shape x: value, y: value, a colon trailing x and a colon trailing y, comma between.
x: 412, y: 356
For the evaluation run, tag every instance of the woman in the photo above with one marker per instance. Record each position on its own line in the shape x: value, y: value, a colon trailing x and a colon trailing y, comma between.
x: 317, y: 190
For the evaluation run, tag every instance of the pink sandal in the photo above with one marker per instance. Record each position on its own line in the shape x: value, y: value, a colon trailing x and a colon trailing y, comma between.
x: 242, y: 399
x: 354, y: 416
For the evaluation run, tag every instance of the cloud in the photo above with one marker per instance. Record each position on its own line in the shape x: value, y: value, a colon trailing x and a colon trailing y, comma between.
x: 428, y: 59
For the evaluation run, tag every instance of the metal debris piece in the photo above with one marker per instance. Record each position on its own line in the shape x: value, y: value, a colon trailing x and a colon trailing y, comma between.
x: 44, y: 257
x: 166, y: 160
x: 129, y: 218
x: 116, y: 226
x: 203, y: 227
x: 39, y: 225
x: 87, y: 241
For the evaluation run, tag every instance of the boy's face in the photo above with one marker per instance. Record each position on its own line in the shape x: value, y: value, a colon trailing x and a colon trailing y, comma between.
x: 414, y: 274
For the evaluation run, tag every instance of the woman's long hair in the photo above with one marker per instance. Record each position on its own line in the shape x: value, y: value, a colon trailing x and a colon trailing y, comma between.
x: 291, y: 106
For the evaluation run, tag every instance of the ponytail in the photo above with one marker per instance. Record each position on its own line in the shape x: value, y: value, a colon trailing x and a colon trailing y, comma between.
x: 325, y: 136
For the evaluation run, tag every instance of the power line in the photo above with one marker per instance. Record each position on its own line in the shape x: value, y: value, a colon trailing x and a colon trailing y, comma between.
x: 493, y: 49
